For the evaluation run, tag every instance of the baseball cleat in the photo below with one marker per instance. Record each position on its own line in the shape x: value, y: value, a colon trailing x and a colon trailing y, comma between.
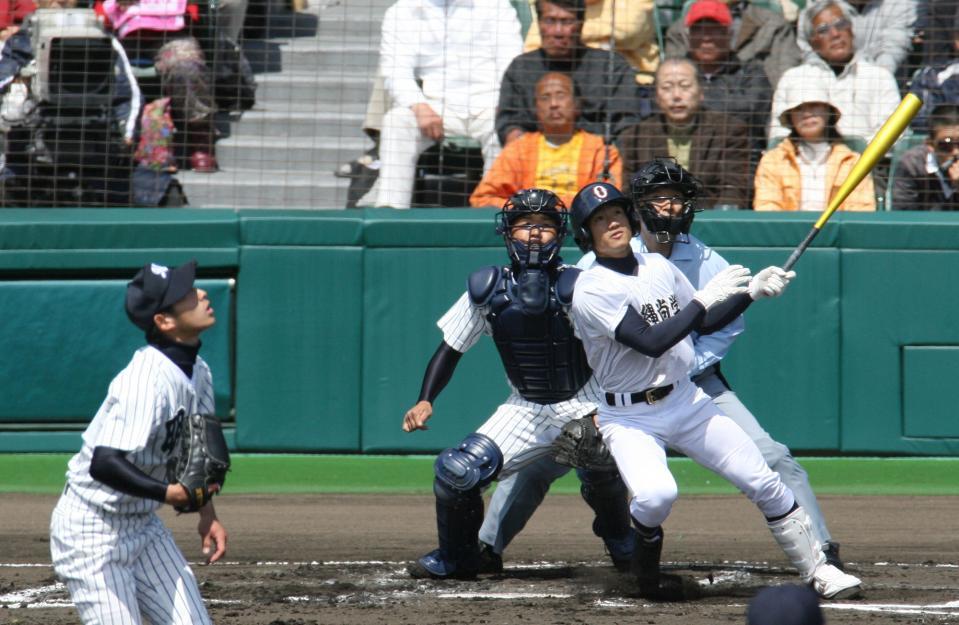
x: 831, y: 549
x: 831, y: 583
x: 491, y: 563
x: 433, y: 566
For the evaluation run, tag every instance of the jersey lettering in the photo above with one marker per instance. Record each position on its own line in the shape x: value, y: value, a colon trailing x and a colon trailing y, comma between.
x: 173, y: 428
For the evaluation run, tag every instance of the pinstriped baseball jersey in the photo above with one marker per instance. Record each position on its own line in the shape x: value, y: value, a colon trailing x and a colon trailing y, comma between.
x: 523, y: 430
x: 111, y: 550
x: 602, y: 297
x: 141, y: 414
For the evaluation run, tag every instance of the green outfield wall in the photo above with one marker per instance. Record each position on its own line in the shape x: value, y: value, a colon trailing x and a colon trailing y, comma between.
x: 327, y: 321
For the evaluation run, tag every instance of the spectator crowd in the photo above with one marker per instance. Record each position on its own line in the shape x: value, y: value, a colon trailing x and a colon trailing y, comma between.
x: 768, y: 102
x: 104, y: 101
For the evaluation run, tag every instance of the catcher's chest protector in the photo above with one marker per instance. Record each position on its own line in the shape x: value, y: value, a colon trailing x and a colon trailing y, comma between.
x: 543, y: 359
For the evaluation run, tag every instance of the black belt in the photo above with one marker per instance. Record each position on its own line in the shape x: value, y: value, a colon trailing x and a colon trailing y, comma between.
x: 649, y: 396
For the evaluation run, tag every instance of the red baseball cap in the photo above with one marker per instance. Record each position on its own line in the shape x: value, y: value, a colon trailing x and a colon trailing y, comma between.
x: 709, y: 10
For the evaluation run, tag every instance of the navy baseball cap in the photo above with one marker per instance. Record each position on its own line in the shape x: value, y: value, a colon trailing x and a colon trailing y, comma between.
x: 785, y: 605
x: 155, y: 288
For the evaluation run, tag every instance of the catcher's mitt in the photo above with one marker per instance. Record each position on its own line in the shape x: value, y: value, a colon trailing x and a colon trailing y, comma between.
x: 200, y: 459
x: 580, y: 445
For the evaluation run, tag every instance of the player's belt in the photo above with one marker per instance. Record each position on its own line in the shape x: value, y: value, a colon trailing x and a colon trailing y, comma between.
x: 649, y: 396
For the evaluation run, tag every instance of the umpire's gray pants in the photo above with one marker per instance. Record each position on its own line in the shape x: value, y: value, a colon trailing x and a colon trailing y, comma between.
x: 515, y: 500
x: 777, y: 455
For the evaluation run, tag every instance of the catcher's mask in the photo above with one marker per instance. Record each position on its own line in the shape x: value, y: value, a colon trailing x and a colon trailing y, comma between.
x: 590, y: 199
x: 529, y: 202
x: 659, y: 175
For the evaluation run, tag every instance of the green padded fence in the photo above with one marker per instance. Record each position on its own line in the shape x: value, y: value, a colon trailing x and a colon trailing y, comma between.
x: 328, y: 319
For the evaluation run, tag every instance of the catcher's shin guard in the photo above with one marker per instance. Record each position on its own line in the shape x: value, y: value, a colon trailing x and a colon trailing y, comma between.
x: 606, y: 493
x: 461, y: 474
x: 794, y: 534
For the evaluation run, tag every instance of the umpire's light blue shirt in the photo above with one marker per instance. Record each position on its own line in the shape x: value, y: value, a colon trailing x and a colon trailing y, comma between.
x: 699, y: 263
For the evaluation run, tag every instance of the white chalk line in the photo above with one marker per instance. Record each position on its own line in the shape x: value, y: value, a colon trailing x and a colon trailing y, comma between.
x: 38, y: 597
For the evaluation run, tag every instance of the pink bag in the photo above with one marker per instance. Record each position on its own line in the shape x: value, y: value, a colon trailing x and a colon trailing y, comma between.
x: 162, y: 15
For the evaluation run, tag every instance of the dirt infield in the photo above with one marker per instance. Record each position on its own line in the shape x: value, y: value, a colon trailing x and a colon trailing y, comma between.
x: 339, y: 560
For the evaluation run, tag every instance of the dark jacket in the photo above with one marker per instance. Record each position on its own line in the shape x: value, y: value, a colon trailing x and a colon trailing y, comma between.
x: 914, y: 189
x: 763, y: 36
x: 595, y: 84
x: 719, y: 155
x: 742, y: 90
x: 932, y: 91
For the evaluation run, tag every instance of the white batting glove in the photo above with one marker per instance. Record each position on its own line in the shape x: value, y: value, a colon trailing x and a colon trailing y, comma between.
x: 770, y: 282
x: 730, y: 281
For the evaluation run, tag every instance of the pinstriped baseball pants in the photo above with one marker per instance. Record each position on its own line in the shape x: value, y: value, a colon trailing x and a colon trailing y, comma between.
x: 120, y: 568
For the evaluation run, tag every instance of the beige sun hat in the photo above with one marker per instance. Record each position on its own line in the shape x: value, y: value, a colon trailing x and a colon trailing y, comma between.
x: 801, y: 92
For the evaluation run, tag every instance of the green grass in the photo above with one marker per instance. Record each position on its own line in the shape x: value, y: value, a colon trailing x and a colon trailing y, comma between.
x: 294, y: 473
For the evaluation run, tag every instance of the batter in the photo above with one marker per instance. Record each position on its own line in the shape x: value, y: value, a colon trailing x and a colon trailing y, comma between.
x: 634, y: 314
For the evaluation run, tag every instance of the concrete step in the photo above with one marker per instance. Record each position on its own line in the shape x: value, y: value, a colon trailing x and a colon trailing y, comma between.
x: 275, y: 91
x: 288, y: 124
x: 310, y: 154
x: 254, y: 188
x: 313, y: 55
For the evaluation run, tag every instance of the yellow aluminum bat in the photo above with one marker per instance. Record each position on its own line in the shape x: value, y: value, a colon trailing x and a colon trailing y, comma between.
x: 876, y: 149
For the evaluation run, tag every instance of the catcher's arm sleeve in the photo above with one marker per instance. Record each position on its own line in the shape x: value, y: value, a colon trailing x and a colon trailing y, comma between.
x: 111, y: 467
x: 439, y: 371
x: 653, y: 341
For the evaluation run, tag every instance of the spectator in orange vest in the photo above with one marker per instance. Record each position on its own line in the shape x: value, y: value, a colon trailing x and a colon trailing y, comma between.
x: 558, y: 157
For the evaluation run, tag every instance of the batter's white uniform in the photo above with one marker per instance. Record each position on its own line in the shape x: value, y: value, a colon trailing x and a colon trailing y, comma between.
x: 115, y: 555
x: 686, y: 420
x: 523, y: 430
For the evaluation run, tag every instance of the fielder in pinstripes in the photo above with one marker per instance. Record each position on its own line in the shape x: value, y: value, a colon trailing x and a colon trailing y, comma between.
x: 523, y: 308
x: 109, y: 547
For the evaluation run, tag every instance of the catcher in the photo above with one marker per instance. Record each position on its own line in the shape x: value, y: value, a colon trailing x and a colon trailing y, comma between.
x: 148, y: 444
x: 522, y: 307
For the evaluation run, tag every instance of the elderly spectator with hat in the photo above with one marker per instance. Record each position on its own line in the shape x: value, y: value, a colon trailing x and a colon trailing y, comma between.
x: 807, y: 168
x: 729, y: 85
x: 710, y: 143
x: 863, y: 92
x: 757, y: 34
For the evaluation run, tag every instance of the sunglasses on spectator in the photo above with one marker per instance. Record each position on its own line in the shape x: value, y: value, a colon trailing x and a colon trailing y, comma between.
x: 565, y: 22
x: 823, y: 29
x: 947, y: 144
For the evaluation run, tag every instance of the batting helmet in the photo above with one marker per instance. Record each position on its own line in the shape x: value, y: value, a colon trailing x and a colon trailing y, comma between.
x: 529, y: 202
x: 590, y: 199
x: 662, y: 173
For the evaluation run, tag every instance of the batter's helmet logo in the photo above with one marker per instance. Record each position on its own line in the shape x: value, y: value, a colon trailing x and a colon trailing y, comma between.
x: 600, y: 192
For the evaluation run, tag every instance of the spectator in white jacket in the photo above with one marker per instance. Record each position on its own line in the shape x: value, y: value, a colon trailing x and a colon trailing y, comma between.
x: 864, y: 92
x: 884, y: 30
x: 442, y: 62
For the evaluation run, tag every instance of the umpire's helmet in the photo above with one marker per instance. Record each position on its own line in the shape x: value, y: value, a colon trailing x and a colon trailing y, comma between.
x: 661, y: 173
x: 590, y: 199
x: 527, y: 202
